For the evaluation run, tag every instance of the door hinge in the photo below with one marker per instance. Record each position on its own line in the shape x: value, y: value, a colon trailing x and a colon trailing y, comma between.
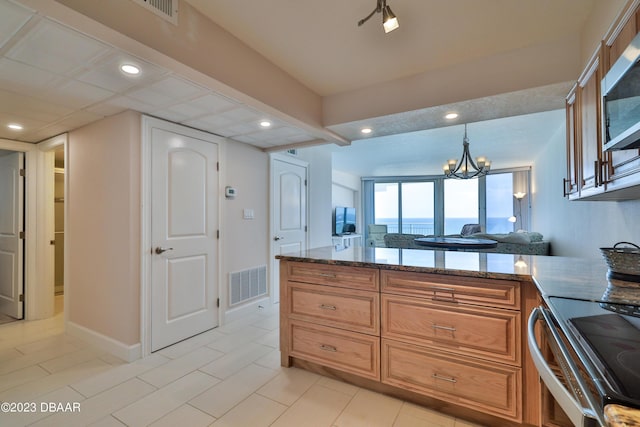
x: 305, y: 182
x: 217, y: 234
x: 305, y: 228
x: 21, y: 235
x: 217, y: 166
x: 218, y: 302
x: 22, y: 172
x: 21, y: 298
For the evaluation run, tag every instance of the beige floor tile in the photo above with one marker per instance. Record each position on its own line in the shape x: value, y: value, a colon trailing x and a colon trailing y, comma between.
x: 415, y: 416
x: 107, y: 422
x: 463, y: 423
x: 369, y: 409
x: 288, y: 386
x: 33, y: 389
x: 271, y: 339
x: 21, y: 376
x: 116, y: 375
x: 187, y: 416
x: 8, y: 354
x: 184, y: 347
x: 63, y: 395
x: 239, y: 324
x: 234, y: 340
x: 176, y: 368
x: 270, y: 323
x: 254, y: 411
x: 348, y: 389
x: 318, y: 407
x: 71, y: 359
x: 228, y: 393
x: 235, y: 360
x: 100, y: 405
x: 159, y: 403
x: 271, y: 360
x: 48, y: 352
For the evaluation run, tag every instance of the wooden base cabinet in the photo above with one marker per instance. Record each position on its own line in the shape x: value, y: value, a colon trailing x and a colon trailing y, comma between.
x: 452, y: 341
x: 486, y: 387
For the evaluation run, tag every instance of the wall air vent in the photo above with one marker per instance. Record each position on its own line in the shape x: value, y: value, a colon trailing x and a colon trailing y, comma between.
x: 166, y: 9
x: 292, y: 151
x: 247, y: 284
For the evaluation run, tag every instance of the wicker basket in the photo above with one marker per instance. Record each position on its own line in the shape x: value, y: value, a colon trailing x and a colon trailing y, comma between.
x: 623, y: 260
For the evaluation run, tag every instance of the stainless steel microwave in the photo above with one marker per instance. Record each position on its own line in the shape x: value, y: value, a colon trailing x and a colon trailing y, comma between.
x: 621, y: 100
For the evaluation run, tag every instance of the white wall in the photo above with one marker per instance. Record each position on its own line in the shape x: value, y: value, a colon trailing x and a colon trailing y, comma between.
x: 576, y: 228
x: 320, y: 179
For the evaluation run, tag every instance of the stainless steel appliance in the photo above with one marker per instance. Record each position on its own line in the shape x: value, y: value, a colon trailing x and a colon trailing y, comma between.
x: 593, y: 356
x: 621, y: 100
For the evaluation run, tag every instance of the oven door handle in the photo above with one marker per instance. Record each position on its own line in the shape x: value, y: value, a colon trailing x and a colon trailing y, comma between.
x: 579, y: 416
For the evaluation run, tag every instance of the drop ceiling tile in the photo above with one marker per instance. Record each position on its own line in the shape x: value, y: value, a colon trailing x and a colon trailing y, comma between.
x: 127, y: 104
x: 106, y: 72
x: 75, y: 94
x: 243, y: 114
x: 104, y: 109
x: 24, y: 79
x: 53, y: 47
x: 12, y: 18
x: 213, y: 103
x: 212, y: 122
x: 78, y: 119
x: 166, y: 91
x: 31, y: 108
x: 242, y: 128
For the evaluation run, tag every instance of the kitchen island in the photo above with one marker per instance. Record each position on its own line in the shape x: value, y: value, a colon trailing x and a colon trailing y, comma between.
x: 443, y: 329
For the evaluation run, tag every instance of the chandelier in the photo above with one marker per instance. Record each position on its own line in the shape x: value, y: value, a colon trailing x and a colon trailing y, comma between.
x: 466, y: 168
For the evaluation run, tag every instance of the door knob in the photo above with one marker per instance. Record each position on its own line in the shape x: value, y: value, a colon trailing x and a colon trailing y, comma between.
x: 160, y: 250
x: 278, y: 238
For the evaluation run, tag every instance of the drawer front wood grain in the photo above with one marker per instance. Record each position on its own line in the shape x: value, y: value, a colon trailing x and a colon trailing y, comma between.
x: 346, y: 351
x: 334, y: 275
x: 491, y: 334
x: 452, y: 289
x: 489, y: 388
x: 341, y: 308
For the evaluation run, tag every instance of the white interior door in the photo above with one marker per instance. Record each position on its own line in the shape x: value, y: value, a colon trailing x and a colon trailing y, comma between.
x: 289, y: 225
x: 184, y: 211
x: 11, y: 224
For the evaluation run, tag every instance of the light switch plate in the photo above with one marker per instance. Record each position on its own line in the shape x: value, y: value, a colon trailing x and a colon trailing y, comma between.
x: 247, y: 213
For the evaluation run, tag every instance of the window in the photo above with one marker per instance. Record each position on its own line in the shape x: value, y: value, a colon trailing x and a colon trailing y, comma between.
x: 434, y: 205
x: 499, y: 195
x: 460, y: 204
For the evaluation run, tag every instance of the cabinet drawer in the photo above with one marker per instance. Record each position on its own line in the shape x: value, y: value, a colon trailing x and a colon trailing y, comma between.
x: 341, y: 308
x: 346, y: 351
x: 453, y: 289
x: 486, y: 387
x: 492, y: 334
x: 334, y: 275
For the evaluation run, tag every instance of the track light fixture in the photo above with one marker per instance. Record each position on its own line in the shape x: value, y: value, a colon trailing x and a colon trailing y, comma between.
x: 389, y: 19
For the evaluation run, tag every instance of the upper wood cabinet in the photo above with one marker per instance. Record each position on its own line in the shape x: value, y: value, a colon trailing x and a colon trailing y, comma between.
x: 591, y: 173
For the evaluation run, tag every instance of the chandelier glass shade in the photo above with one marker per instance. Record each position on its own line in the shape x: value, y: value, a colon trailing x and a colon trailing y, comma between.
x: 466, y: 168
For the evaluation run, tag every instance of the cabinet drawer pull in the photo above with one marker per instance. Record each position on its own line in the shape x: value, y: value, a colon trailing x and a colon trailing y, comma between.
x: 328, y: 307
x: 440, y: 377
x: 328, y: 348
x: 330, y: 275
x: 446, y: 328
x: 446, y: 298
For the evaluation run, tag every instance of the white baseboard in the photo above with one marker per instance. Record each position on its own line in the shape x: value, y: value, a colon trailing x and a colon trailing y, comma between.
x: 128, y: 353
x: 262, y: 305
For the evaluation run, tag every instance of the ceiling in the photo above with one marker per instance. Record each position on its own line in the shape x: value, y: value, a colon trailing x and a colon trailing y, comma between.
x: 54, y: 79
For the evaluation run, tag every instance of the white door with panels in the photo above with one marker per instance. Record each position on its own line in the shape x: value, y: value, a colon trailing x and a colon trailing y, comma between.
x: 184, y: 226
x: 11, y: 244
x: 289, y: 212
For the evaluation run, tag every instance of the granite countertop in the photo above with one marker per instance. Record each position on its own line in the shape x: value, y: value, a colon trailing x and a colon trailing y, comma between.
x: 561, y: 277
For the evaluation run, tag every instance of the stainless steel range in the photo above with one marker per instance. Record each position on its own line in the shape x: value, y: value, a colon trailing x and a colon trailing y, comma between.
x: 593, y: 342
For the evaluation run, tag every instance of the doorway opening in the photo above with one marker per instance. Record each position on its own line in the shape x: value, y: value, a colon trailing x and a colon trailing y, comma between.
x: 58, y: 242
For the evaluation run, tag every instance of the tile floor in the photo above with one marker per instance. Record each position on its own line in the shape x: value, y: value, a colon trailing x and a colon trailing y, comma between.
x: 230, y: 376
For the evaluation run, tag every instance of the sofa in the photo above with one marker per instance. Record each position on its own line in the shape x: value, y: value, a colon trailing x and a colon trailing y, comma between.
x: 524, y: 243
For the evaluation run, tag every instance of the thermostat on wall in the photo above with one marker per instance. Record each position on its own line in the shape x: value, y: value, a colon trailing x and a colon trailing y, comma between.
x: 229, y: 192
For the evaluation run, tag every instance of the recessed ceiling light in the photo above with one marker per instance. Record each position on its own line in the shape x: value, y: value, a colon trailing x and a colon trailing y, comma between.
x: 130, y: 69
x: 15, y: 126
x: 451, y: 116
x: 366, y: 131
x: 265, y: 123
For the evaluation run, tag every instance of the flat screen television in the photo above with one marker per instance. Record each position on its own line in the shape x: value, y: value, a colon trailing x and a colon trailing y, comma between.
x: 344, y: 220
